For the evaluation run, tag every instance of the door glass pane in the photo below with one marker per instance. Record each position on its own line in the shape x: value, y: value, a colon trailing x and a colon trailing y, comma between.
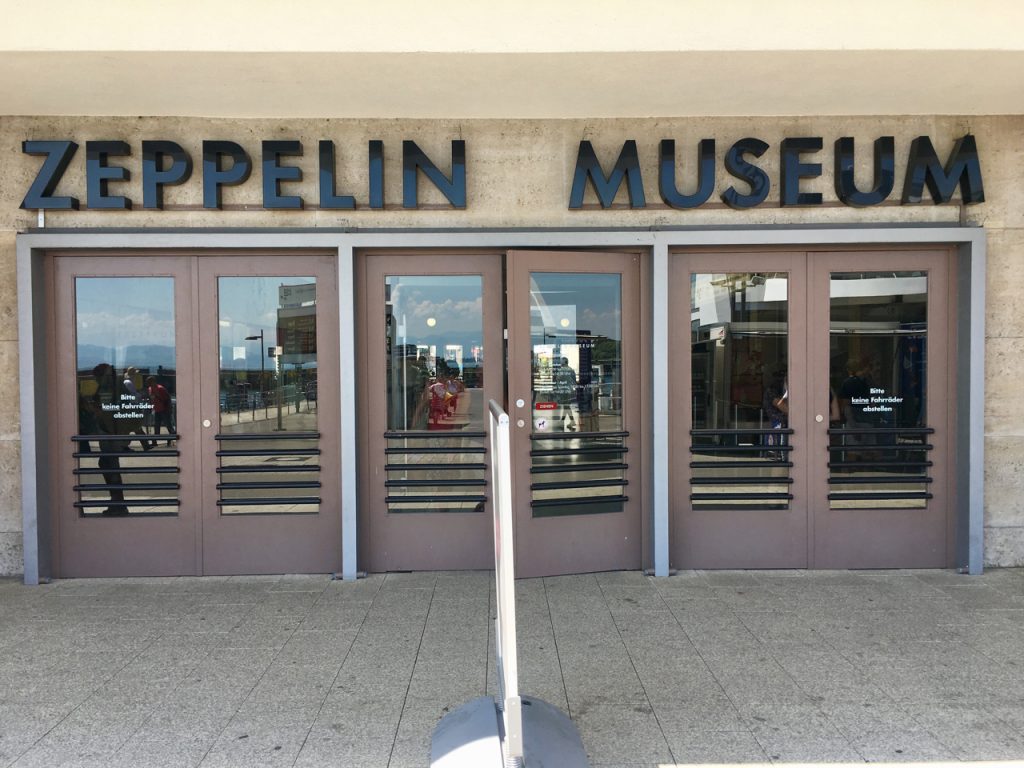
x: 578, y: 441
x: 434, y: 383
x: 126, y: 385
x: 739, y: 353
x: 878, y: 352
x: 268, y: 384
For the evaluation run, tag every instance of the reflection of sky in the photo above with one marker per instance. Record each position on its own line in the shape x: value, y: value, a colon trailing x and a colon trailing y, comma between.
x: 595, y: 297
x: 454, y: 302
x: 115, y: 313
x: 247, y: 306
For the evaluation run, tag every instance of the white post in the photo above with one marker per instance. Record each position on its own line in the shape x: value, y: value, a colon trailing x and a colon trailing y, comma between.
x: 504, y: 574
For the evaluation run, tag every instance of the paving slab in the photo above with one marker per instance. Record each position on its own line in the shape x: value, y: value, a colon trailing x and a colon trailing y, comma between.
x: 705, y: 667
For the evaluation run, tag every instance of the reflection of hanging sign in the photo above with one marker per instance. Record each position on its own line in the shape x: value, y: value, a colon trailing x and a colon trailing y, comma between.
x: 291, y: 296
x: 545, y: 406
x: 296, y: 334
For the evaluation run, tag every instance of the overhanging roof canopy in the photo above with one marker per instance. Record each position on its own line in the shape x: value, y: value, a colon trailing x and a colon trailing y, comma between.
x: 530, y: 59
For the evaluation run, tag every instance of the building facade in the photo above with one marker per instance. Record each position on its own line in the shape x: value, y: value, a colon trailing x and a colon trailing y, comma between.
x: 264, y: 341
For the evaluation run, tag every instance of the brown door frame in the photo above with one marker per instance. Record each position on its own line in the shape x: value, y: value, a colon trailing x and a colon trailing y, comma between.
x: 688, y: 551
x: 578, y: 543
x: 737, y: 537
x: 915, y: 538
x: 418, y: 540
x: 269, y: 542
x: 177, y: 545
x: 151, y: 545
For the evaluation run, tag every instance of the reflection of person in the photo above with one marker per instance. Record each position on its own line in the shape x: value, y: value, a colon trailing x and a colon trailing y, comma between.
x: 161, y: 400
x: 776, y: 407
x: 107, y: 425
x: 564, y: 387
x: 132, y: 397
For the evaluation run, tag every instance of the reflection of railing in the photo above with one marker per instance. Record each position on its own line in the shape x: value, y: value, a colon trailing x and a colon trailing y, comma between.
x: 585, y: 456
x: 723, y: 454
x: 111, y: 450
x: 415, y: 452
x: 877, y: 457
x: 269, y: 465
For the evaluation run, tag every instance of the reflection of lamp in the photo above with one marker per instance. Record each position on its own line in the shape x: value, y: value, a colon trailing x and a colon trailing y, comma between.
x: 431, y: 321
x: 564, y: 322
x: 263, y: 356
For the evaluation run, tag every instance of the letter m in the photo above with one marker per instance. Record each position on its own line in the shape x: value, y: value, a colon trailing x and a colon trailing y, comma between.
x: 963, y: 169
x: 606, y: 187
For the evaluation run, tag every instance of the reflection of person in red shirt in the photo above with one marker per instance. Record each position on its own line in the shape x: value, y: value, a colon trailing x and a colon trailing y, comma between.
x: 161, y: 400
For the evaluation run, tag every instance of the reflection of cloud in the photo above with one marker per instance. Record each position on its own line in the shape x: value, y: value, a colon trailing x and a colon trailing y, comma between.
x: 464, y: 314
x: 602, y: 323
x: 107, y: 329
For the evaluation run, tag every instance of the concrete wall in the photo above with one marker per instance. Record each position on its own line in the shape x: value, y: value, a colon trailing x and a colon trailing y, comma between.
x: 519, y: 174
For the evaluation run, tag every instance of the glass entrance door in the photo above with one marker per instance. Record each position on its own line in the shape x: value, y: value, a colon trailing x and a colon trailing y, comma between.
x: 125, y: 492
x: 196, y: 442
x: 574, y: 406
x: 815, y: 414
x: 269, y: 415
x: 884, y: 497
x: 739, y: 401
x: 435, y: 355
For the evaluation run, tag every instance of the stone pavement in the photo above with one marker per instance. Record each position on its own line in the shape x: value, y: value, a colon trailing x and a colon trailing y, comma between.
x: 702, y: 667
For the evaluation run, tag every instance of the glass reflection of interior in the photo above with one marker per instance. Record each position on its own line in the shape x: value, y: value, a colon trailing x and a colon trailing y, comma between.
x: 434, y: 357
x: 739, y: 351
x: 578, y: 441
x: 878, y: 353
x: 126, y: 385
x: 269, y: 389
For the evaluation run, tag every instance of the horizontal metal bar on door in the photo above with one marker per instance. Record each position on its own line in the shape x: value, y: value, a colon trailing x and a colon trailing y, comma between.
x: 437, y: 449
x: 741, y: 448
x: 594, y: 467
x: 576, y: 435
x: 877, y: 332
x: 764, y: 464
x: 739, y: 496
x: 127, y: 470
x: 740, y: 480
x: 156, y: 452
x: 731, y: 432
x: 833, y: 480
x: 269, y: 502
x: 250, y: 436
x: 894, y: 464
x: 596, y: 450
x: 127, y: 503
x: 438, y: 498
x: 424, y: 434
x: 856, y: 447
x: 270, y: 485
x: 894, y: 496
x: 248, y: 469
x: 440, y: 483
x: 104, y: 438
x: 569, y: 484
x: 881, y: 430
x: 127, y: 486
x: 577, y: 501
x: 432, y: 466
x: 270, y: 452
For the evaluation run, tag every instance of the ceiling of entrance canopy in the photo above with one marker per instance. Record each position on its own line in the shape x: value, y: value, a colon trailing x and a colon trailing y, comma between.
x: 531, y: 59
